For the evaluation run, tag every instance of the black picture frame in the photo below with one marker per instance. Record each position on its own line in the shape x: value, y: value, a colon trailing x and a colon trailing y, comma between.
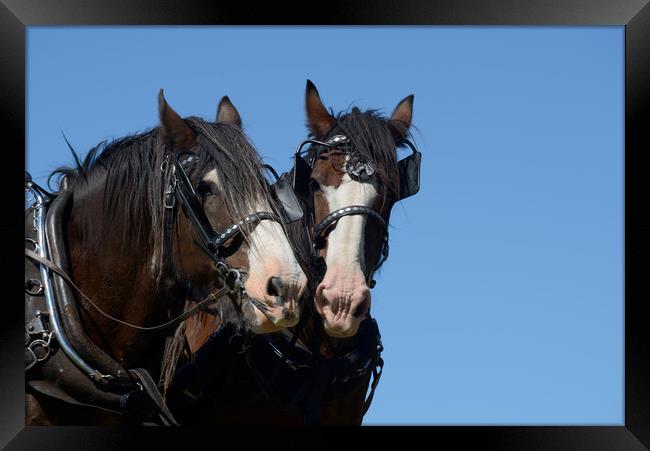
x: 16, y: 15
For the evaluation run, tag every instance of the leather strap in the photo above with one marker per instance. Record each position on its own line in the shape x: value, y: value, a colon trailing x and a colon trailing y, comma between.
x: 341, y: 212
x: 376, y: 375
x: 179, y: 319
x: 334, y: 216
x: 149, y: 386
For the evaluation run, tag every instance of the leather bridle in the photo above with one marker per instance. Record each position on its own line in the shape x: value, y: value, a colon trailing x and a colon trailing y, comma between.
x: 179, y: 190
x: 358, y: 170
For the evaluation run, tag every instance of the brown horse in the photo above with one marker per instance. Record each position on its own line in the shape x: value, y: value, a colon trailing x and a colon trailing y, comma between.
x: 319, y: 371
x: 133, y: 227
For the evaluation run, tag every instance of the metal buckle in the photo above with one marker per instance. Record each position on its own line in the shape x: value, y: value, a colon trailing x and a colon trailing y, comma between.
x: 233, y: 280
x: 34, y: 242
x: 33, y: 287
x: 231, y: 277
x: 170, y: 194
x: 44, y: 344
x: 222, y: 269
x: 163, y: 165
x: 170, y: 203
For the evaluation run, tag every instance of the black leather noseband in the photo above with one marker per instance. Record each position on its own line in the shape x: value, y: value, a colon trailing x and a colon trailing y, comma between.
x: 333, y: 217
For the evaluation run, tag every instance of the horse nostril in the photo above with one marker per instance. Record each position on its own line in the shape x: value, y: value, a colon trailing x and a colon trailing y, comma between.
x: 275, y: 286
x: 361, y: 308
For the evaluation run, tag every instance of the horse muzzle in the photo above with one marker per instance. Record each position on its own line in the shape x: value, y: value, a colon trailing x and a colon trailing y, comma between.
x: 266, y: 317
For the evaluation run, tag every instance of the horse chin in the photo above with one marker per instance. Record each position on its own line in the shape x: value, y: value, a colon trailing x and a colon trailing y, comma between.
x: 342, y: 328
x: 264, y: 319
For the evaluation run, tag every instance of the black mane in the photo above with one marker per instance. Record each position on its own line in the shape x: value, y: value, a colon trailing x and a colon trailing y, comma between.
x: 127, y: 173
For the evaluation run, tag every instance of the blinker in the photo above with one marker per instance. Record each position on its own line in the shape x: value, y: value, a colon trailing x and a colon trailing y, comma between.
x: 291, y: 209
x: 409, y: 172
x: 408, y: 168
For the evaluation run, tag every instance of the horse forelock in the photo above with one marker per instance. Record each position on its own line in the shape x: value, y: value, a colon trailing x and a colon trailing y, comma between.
x: 372, y: 140
x: 238, y: 168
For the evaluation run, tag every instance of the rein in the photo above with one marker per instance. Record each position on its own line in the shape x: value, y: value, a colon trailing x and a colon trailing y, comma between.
x: 138, y: 381
x: 213, y: 297
x: 180, y: 189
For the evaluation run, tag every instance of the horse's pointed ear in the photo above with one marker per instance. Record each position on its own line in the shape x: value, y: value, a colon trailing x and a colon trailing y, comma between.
x: 400, y: 120
x: 174, y: 127
x: 319, y: 120
x: 226, y: 112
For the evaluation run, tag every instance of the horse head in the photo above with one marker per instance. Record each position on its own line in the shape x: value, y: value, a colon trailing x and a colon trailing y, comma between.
x: 245, y: 229
x: 351, y: 176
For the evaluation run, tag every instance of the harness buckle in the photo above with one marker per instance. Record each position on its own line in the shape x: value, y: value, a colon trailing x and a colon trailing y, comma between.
x: 233, y: 280
x: 39, y: 350
x: 170, y: 200
x: 222, y: 269
x: 231, y: 277
x: 34, y: 287
x: 163, y: 165
x: 170, y: 194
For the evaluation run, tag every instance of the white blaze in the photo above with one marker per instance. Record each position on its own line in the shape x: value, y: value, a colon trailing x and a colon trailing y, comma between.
x: 269, y: 254
x: 345, y: 244
x: 213, y: 177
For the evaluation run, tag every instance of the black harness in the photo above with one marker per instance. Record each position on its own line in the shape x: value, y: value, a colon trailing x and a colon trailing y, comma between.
x: 293, y: 376
x: 360, y: 170
x: 180, y: 190
x: 287, y: 371
x: 119, y: 392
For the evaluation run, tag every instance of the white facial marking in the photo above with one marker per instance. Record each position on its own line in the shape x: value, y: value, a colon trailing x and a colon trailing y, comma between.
x: 212, y: 176
x: 345, y: 243
x: 270, y: 247
x: 270, y: 250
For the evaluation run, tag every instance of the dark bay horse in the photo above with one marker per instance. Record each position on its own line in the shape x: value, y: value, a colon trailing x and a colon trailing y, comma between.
x: 136, y: 235
x: 319, y: 371
x: 354, y: 179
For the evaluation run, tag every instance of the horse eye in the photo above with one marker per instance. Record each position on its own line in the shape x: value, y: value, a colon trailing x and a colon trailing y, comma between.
x: 203, y: 189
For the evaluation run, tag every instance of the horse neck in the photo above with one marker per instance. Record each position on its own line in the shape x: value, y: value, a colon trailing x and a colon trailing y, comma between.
x: 118, y: 282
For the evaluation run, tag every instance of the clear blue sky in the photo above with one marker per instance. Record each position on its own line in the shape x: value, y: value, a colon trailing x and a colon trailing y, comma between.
x: 502, y: 299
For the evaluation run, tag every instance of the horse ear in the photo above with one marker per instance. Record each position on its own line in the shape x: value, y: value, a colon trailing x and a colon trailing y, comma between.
x: 400, y: 120
x: 319, y: 120
x: 173, y: 126
x: 226, y: 112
